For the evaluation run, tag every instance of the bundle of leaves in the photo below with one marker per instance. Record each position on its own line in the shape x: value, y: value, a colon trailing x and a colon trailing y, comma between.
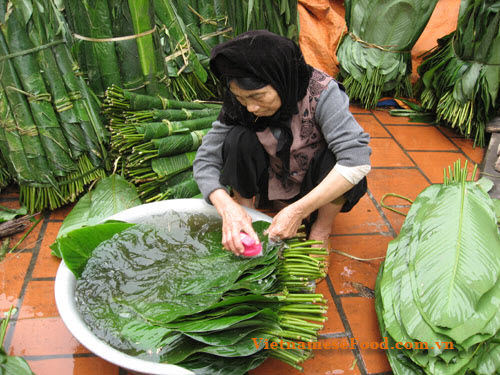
x: 157, y: 139
x: 461, y: 76
x: 171, y: 294
x: 52, y: 138
x: 375, y: 54
x: 438, y: 292
x: 116, y: 42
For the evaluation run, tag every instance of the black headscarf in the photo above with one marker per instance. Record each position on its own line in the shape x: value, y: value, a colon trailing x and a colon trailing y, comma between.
x: 274, y: 60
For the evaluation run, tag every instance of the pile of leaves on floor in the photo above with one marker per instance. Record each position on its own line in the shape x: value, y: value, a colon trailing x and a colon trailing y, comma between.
x: 438, y: 290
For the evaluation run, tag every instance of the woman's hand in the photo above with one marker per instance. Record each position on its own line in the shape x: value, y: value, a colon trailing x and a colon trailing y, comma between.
x: 234, y: 220
x: 286, y: 222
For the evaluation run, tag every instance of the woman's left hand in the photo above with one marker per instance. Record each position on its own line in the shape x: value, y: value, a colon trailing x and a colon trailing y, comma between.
x: 286, y: 223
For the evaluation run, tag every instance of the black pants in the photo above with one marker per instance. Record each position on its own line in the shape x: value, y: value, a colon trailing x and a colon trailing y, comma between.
x: 246, y: 165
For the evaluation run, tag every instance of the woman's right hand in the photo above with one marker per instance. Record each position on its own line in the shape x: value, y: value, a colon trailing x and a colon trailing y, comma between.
x: 234, y: 220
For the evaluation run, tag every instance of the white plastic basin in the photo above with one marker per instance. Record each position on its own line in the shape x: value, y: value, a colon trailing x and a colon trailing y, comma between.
x: 152, y: 213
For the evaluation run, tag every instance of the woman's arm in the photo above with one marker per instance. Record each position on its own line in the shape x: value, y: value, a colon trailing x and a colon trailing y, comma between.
x: 207, y: 170
x: 208, y: 163
x: 348, y: 142
x: 286, y: 222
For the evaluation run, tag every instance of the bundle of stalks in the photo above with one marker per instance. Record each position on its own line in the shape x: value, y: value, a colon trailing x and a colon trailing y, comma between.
x: 461, y: 76
x: 157, y: 157
x: 52, y: 138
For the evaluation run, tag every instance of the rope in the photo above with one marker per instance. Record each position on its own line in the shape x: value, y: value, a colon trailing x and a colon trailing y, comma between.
x: 189, y: 114
x: 373, y: 45
x: 393, y: 209
x: 32, y: 97
x: 31, y: 50
x: 169, y: 126
x: 115, y: 39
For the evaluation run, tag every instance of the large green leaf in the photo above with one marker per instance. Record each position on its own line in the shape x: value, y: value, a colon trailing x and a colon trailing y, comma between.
x: 10, y: 365
x: 456, y: 249
x: 7, y: 214
x: 110, y: 196
x: 77, y: 246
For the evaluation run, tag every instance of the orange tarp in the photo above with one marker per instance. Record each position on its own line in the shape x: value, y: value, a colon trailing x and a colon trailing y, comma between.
x: 322, y: 23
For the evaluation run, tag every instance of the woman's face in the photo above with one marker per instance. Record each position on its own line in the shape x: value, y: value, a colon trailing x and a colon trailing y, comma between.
x: 261, y: 102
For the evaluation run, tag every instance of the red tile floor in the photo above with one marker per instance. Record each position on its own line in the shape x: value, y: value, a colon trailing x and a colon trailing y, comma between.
x: 406, y: 158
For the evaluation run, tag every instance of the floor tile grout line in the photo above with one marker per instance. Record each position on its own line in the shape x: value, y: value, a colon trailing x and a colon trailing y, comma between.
x: 404, y: 149
x: 360, y: 363
x: 458, y: 151
x: 393, y: 168
x: 27, y: 279
x: 336, y: 335
x: 460, y: 148
x: 43, y: 279
x: 378, y: 207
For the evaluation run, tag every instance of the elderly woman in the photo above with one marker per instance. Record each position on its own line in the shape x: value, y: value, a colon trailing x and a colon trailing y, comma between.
x: 285, y: 133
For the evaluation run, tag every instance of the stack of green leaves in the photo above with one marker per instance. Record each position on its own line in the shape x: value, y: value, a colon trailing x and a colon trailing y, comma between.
x: 277, y: 16
x: 186, y: 49
x: 157, y: 139
x: 53, y: 140
x: 5, y: 176
x: 438, y: 291
x: 375, y: 54
x: 116, y: 42
x: 196, y: 305
x: 461, y: 76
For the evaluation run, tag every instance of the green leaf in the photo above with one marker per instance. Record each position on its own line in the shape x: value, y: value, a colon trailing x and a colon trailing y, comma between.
x: 460, y: 254
x: 111, y: 195
x: 7, y: 214
x: 496, y: 203
x: 76, y: 247
x: 485, y: 183
x: 15, y: 366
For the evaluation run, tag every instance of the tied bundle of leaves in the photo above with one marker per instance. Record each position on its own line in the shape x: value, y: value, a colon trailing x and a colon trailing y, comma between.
x: 10, y: 365
x: 186, y: 48
x: 461, y: 76
x: 157, y: 139
x: 375, y: 54
x: 277, y: 16
x: 440, y: 282
x: 117, y: 43
x: 5, y: 176
x: 197, y: 305
x: 53, y: 140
